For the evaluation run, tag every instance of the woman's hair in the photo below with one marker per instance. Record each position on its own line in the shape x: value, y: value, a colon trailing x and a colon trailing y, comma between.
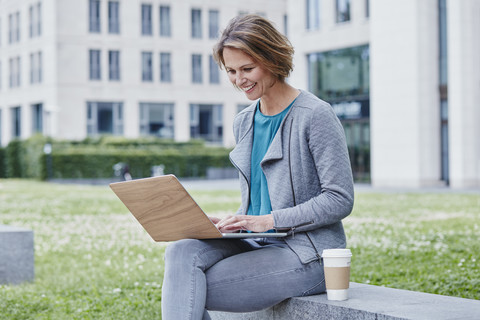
x: 258, y: 38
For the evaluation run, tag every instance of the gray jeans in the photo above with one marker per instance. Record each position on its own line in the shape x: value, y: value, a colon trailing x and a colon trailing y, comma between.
x: 233, y: 276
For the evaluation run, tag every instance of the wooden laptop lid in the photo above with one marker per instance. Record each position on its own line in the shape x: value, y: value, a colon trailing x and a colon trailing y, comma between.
x: 165, y: 209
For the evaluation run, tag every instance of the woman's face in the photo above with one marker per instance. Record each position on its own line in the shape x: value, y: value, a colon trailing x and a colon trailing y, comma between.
x: 247, y: 74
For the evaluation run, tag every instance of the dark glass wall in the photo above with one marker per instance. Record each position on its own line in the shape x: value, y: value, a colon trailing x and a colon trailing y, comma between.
x: 342, y: 78
x: 443, y: 87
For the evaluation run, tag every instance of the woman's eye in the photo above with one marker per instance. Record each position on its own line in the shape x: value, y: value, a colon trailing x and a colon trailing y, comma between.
x: 247, y: 69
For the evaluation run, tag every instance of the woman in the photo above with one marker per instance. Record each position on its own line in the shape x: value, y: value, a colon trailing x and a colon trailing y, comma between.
x: 295, y: 176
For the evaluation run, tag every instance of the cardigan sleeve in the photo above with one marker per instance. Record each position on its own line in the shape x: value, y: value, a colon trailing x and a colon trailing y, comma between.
x: 334, y: 199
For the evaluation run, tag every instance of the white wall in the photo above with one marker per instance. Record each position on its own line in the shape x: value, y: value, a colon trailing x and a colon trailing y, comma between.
x: 66, y: 87
x: 404, y: 109
x: 464, y: 92
x: 330, y: 36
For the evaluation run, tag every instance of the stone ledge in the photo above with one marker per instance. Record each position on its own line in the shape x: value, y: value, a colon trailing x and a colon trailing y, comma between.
x: 367, y: 302
x: 16, y: 255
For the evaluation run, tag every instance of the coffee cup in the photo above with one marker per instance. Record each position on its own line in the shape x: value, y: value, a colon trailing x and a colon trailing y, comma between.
x: 336, y: 265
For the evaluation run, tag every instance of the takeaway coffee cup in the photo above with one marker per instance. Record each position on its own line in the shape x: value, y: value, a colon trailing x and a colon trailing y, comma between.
x: 336, y: 264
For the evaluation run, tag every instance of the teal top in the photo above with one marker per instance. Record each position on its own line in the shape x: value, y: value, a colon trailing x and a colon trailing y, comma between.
x: 264, y: 130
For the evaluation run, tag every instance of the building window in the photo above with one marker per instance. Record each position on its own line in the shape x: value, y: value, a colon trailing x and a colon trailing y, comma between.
x: 95, y: 67
x: 214, y: 71
x: 165, y: 23
x: 94, y: 16
x: 196, y: 23
x: 104, y: 118
x: 340, y: 73
x: 114, y: 65
x: 196, y: 68
x: 213, y: 27
x: 341, y: 77
x: 14, y: 72
x: 14, y: 27
x: 147, y: 19
x: 157, y: 119
x: 37, y: 118
x: 313, y: 15
x: 16, y: 122
x: 35, y: 20
x: 147, y: 66
x: 113, y: 17
x: 165, y: 67
x: 36, y: 67
x: 367, y: 8
x: 206, y: 122
x: 343, y: 10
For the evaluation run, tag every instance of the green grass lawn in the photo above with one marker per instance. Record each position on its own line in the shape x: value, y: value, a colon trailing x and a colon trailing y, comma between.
x: 94, y: 261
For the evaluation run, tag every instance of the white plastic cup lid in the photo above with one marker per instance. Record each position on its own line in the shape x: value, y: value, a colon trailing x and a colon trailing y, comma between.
x: 336, y: 253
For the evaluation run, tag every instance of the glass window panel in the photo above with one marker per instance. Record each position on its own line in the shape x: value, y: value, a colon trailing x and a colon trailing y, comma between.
x: 213, y: 28
x: 196, y: 23
x: 30, y: 21
x: 18, y: 72
x: 214, y: 71
x: 114, y: 65
x: 340, y: 73
x: 147, y: 68
x: 40, y: 67
x: 32, y: 68
x: 313, y: 14
x: 204, y: 122
x: 165, y: 24
x: 157, y: 119
x: 343, y: 10
x: 113, y: 17
x: 104, y: 118
x: 17, y: 20
x: 94, y: 15
x: 16, y: 122
x: 39, y: 19
x: 196, y: 68
x: 165, y: 67
x: 147, y: 19
x: 37, y: 118
x: 95, y: 73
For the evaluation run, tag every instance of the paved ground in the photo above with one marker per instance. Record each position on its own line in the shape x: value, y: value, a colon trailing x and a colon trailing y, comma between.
x: 233, y: 184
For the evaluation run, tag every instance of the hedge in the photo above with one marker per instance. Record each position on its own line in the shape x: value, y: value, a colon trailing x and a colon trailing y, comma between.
x: 95, y: 157
x: 22, y: 157
x: 94, y: 163
x: 2, y: 163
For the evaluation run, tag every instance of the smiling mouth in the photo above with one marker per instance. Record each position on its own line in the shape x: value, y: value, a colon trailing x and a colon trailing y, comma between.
x: 249, y: 88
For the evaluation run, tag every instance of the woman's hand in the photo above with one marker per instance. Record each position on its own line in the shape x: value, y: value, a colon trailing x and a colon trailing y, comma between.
x: 215, y: 220
x: 243, y: 222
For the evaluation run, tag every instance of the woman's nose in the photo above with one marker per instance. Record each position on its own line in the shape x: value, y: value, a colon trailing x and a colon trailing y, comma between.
x: 239, y: 79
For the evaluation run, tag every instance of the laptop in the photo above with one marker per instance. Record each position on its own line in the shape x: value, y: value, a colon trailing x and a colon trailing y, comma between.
x: 168, y: 213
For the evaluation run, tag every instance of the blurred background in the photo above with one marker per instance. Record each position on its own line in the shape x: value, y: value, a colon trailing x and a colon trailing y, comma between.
x: 402, y: 76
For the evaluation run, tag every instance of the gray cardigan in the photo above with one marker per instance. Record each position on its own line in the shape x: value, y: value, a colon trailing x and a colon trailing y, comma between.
x: 308, y: 174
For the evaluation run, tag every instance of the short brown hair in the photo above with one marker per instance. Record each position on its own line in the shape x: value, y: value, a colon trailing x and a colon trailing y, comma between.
x: 257, y: 37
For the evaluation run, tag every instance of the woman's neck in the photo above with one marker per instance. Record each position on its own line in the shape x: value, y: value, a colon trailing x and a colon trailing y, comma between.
x: 278, y: 97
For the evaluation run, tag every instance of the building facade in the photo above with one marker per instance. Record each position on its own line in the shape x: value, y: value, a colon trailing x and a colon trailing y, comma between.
x: 72, y: 69
x: 402, y: 76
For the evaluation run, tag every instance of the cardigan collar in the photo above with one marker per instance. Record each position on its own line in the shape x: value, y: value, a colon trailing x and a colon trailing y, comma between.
x: 242, y: 153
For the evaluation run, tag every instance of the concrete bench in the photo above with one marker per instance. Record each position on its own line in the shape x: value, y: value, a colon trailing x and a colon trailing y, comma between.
x: 366, y: 302
x: 16, y: 255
